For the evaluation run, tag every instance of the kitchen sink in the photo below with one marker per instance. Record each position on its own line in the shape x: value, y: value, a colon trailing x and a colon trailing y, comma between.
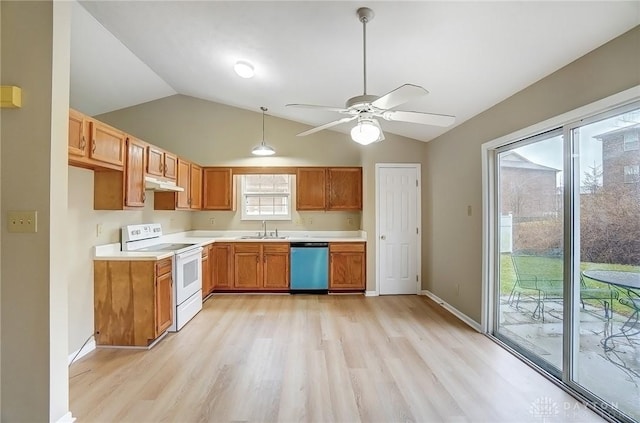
x: 262, y: 237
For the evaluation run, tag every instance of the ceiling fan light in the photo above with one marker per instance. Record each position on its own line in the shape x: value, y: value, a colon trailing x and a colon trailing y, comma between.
x: 244, y: 69
x: 263, y: 150
x: 365, y: 132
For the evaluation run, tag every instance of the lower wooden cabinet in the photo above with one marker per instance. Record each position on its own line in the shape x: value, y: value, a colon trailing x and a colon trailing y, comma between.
x: 261, y: 266
x: 221, y: 259
x: 347, y: 266
x: 133, y: 301
x: 207, y: 271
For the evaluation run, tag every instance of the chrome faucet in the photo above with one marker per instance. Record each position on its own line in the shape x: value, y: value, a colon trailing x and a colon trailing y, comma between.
x: 264, y: 228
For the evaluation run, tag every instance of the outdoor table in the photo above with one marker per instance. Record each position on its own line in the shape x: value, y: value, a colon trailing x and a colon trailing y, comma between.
x: 627, y: 282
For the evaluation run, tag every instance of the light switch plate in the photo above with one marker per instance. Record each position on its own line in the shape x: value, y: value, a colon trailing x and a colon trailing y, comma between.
x: 23, y: 221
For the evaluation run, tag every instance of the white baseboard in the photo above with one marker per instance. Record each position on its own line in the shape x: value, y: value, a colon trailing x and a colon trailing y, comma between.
x: 451, y: 309
x: 88, y: 347
x: 371, y: 293
x: 67, y: 418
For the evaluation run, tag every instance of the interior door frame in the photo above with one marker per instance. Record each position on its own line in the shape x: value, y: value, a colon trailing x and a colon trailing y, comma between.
x: 418, y: 168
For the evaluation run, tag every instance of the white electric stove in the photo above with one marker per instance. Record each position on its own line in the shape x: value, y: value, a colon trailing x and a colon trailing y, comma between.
x: 187, y: 268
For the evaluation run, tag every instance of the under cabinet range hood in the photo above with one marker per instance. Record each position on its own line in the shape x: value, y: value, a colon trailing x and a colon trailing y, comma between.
x: 154, y: 184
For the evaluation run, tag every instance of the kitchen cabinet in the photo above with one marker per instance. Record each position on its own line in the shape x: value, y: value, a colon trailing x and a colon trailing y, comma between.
x: 347, y: 271
x: 344, y: 188
x: 189, y: 177
x: 207, y: 277
x: 221, y: 259
x: 133, y: 301
x: 161, y: 163
x: 261, y: 266
x: 331, y: 189
x: 311, y: 184
x: 122, y: 190
x: 93, y: 144
x: 218, y: 188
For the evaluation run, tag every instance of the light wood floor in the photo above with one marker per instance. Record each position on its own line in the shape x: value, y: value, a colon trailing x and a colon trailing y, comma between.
x: 317, y: 359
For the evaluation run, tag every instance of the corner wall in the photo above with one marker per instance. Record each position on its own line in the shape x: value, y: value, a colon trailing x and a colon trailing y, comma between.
x: 452, y: 245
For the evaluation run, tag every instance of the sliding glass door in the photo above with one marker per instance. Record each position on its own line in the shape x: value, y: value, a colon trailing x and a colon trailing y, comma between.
x: 529, y: 298
x: 566, y: 291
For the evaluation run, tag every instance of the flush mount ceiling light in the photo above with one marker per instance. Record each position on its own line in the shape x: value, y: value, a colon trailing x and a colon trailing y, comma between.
x: 263, y: 149
x: 366, y: 131
x: 244, y: 69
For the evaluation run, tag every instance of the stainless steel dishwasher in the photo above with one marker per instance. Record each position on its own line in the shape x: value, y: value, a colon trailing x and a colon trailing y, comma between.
x: 309, y: 268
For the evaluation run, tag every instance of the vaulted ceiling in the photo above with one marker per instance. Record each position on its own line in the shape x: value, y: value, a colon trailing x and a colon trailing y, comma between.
x: 469, y: 55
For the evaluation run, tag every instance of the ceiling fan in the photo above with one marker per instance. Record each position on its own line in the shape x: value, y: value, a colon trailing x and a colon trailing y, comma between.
x: 366, y: 108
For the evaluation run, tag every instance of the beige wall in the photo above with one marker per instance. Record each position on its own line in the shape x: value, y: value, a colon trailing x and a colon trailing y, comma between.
x: 452, y: 246
x: 35, y: 57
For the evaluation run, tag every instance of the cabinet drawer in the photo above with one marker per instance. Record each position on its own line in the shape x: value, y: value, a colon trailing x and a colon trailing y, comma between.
x: 164, y: 266
x: 246, y: 247
x: 347, y: 247
x: 275, y: 247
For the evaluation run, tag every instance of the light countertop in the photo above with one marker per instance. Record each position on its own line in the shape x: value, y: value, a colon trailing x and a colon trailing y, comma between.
x: 202, y: 238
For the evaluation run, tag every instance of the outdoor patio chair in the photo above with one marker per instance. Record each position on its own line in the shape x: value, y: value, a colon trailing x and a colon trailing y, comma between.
x: 541, y: 278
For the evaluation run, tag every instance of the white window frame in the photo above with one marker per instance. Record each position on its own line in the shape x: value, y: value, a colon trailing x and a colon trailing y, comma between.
x: 631, y: 174
x: 631, y: 145
x: 244, y: 195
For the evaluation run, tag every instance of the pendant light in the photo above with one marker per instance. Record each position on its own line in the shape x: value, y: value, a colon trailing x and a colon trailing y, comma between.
x: 263, y: 149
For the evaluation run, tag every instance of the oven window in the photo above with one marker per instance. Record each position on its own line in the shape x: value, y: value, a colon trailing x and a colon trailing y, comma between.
x: 190, y: 272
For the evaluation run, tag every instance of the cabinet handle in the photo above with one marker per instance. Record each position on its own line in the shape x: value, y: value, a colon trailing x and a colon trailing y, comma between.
x: 161, y: 167
x: 83, y: 143
x: 93, y: 146
x: 165, y: 168
x: 144, y: 197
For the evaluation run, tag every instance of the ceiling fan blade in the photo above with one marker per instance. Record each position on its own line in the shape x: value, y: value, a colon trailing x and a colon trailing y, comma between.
x: 399, y: 96
x: 418, y: 117
x: 326, y: 125
x: 313, y: 106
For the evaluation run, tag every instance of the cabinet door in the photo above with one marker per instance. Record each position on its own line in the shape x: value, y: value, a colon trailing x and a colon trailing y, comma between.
x: 206, y: 271
x: 164, y: 304
x: 195, y: 187
x: 311, y: 188
x: 134, y: 195
x: 218, y: 188
x: 347, y: 267
x: 107, y: 144
x: 170, y: 166
x: 155, y: 161
x: 247, y: 266
x: 183, y: 176
x: 345, y: 188
x: 275, y: 261
x: 78, y: 134
x: 221, y: 257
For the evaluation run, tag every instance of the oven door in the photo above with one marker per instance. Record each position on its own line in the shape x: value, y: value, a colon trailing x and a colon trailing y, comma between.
x: 188, y: 276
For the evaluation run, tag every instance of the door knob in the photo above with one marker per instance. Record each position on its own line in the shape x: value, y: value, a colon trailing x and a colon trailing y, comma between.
x: 383, y: 237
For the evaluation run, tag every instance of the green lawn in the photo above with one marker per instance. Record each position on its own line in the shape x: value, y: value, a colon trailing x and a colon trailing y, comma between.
x: 546, y: 266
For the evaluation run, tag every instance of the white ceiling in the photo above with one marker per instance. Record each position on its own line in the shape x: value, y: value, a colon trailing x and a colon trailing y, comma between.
x: 469, y: 55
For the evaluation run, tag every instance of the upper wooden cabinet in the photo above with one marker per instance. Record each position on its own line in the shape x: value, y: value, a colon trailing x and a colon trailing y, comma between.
x: 161, y: 163
x: 189, y: 178
x: 93, y: 144
x: 120, y: 190
x: 311, y: 185
x: 344, y: 188
x: 332, y: 189
x: 218, y: 188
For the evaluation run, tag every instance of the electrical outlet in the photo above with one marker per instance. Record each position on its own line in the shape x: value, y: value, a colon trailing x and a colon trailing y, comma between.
x: 310, y: 220
x: 23, y: 221
x: 212, y: 221
x: 99, y: 228
x: 350, y: 221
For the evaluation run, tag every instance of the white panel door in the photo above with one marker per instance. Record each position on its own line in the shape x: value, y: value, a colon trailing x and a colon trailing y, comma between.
x: 398, y: 229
